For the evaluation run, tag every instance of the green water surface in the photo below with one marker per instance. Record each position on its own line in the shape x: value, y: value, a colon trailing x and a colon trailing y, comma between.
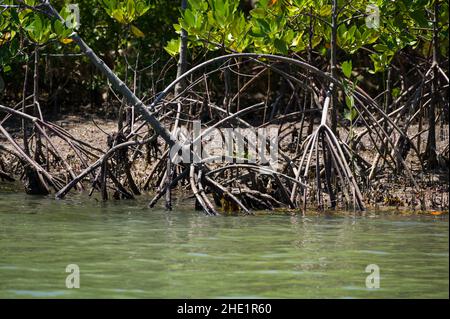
x: 126, y: 251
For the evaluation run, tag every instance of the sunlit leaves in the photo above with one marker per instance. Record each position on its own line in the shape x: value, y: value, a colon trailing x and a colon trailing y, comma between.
x: 282, y: 26
x: 61, y: 28
x: 198, y: 5
x: 126, y: 12
x: 39, y: 29
x: 325, y: 10
x: 118, y: 16
x: 381, y: 61
x: 193, y: 21
x: 173, y: 47
x: 216, y: 22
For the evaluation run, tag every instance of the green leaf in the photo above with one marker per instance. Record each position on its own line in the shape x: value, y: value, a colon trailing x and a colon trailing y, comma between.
x: 198, y: 5
x: 281, y: 46
x: 141, y: 8
x: 130, y: 8
x: 263, y: 25
x: 419, y: 17
x: 351, y: 114
x: 347, y: 68
x: 349, y: 101
x: 351, y: 33
x: 189, y: 18
x: 396, y: 92
x: 173, y: 47
x: 380, y: 47
x: 325, y: 10
x: 137, y: 33
x: 118, y: 15
x: 109, y: 6
x: 258, y: 13
x: 35, y: 26
x: 15, y: 16
x: 58, y: 27
x: 315, y: 41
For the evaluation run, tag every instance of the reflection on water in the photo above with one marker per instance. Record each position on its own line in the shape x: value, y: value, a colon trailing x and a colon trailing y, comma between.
x: 126, y: 251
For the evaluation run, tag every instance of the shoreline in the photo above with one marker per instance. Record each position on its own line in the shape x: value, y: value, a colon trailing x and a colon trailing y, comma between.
x: 180, y: 198
x: 388, y: 192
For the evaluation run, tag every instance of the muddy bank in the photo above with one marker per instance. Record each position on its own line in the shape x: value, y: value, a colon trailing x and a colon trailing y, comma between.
x: 388, y: 192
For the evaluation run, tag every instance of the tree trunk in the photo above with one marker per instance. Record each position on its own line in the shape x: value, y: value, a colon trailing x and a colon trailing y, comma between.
x: 430, y: 152
x: 24, y: 122
x: 182, y: 60
x: 179, y: 87
x: 333, y: 63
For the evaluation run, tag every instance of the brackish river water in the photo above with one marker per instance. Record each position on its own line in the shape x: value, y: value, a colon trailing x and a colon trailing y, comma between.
x: 125, y: 251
